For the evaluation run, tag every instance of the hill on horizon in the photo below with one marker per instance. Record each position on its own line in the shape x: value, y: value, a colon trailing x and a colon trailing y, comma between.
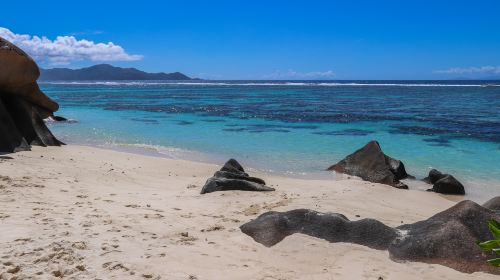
x: 105, y: 72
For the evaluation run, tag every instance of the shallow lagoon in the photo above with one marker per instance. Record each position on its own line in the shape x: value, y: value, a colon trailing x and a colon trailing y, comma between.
x: 297, y: 128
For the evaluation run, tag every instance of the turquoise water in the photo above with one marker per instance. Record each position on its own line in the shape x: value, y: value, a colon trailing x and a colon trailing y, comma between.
x: 297, y: 128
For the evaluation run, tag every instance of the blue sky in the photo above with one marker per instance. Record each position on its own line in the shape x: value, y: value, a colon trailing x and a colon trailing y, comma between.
x: 273, y: 39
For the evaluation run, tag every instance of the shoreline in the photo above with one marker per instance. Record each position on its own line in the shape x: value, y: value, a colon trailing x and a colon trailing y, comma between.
x: 126, y: 216
x: 474, y: 189
x: 207, y: 158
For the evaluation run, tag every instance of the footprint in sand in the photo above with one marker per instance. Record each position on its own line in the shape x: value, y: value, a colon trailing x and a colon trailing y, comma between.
x: 213, y: 228
x: 231, y: 220
x: 153, y: 216
x: 114, y: 229
x: 87, y: 224
x: 152, y: 235
x: 114, y: 266
x: 186, y: 239
x: 255, y: 209
x: 133, y: 206
x: 80, y: 245
x: 48, y: 260
x: 109, y: 248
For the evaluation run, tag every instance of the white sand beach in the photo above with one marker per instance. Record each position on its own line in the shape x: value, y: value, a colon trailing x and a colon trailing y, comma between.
x: 78, y: 212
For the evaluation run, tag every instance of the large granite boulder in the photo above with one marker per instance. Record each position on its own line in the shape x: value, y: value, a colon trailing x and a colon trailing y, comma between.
x: 493, y: 204
x: 447, y: 238
x: 232, y: 176
x: 371, y: 164
x: 23, y: 106
x: 444, y: 183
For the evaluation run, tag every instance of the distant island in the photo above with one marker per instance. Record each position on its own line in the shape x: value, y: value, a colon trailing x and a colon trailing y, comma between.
x: 105, y: 72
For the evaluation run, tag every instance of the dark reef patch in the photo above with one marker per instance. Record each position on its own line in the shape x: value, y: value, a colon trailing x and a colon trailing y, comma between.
x: 252, y: 129
x: 440, y: 142
x: 184, y: 123
x: 150, y: 121
x: 418, y: 130
x: 345, y: 132
x: 213, y: 121
x: 234, y: 129
x: 261, y: 128
x: 258, y: 128
x: 470, y: 114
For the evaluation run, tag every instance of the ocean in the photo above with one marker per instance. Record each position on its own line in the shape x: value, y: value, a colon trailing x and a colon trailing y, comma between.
x: 294, y: 128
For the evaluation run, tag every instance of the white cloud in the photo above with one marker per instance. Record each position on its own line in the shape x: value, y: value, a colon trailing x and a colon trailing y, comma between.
x: 471, y: 70
x: 66, y: 49
x: 291, y: 74
x: 87, y: 32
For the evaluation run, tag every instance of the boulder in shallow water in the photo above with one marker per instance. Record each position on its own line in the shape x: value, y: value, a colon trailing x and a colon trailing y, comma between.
x: 232, y: 176
x: 444, y: 183
x: 447, y: 238
x: 448, y: 185
x: 434, y: 176
x: 371, y: 164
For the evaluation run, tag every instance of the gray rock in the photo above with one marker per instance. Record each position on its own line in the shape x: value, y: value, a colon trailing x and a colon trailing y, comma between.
x: 371, y: 164
x: 444, y: 183
x: 434, y: 176
x: 59, y: 119
x: 223, y: 184
x: 238, y: 176
x: 448, y: 185
x: 493, y: 204
x: 11, y: 139
x: 233, y: 166
x: 272, y: 227
x: 232, y: 176
x: 447, y: 238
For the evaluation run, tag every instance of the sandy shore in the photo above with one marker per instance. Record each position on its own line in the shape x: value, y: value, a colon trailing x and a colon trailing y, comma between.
x: 86, y: 213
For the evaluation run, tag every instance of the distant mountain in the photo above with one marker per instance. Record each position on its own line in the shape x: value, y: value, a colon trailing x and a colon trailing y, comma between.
x: 105, y: 72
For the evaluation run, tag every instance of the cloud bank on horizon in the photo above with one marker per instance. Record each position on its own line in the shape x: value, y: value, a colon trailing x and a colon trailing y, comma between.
x: 292, y: 74
x: 66, y: 49
x: 471, y: 70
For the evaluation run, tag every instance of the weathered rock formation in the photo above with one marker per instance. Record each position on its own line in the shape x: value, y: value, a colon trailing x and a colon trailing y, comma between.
x: 493, y: 204
x: 447, y: 238
x: 232, y: 176
x: 371, y: 164
x: 444, y: 183
x: 23, y: 106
